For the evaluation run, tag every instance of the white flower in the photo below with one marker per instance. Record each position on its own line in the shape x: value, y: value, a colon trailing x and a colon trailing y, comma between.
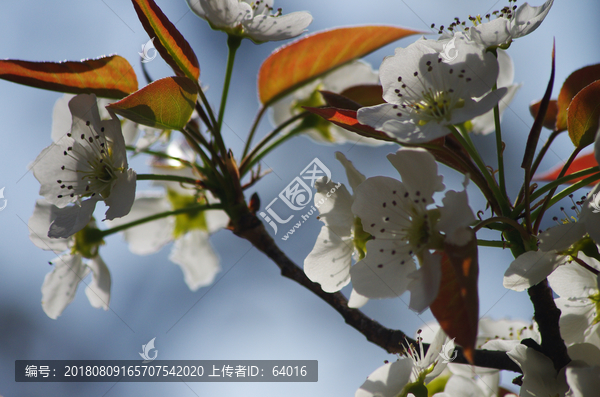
x: 426, y: 95
x: 352, y: 74
x: 396, y: 214
x: 509, y: 25
x: 556, y: 247
x: 252, y: 19
x: 89, y: 162
x: 61, y: 284
x: 411, y: 372
x: 484, y: 124
x: 579, y: 301
x: 340, y: 238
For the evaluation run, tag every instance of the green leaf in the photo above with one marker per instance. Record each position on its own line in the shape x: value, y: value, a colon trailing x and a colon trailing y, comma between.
x: 167, y: 103
x: 171, y: 44
x: 107, y: 77
x: 297, y: 63
x: 583, y: 114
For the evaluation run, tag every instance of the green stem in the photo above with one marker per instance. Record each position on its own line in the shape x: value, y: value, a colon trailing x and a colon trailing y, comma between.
x: 249, y: 161
x: 256, y: 158
x: 499, y: 148
x: 233, y: 43
x: 547, y: 202
x: 564, y: 193
x: 170, y: 178
x: 163, y: 156
x: 493, y: 243
x: 160, y: 215
x: 465, y: 141
x: 259, y: 115
x: 554, y: 184
x: 211, y: 114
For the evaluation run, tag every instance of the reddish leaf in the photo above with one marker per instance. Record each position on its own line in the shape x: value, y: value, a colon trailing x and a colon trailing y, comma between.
x: 166, y: 103
x: 583, y: 114
x: 339, y: 101
x: 347, y: 119
x: 366, y: 94
x: 572, y: 85
x: 581, y: 163
x: 456, y: 307
x: 171, y: 45
x: 550, y: 119
x: 305, y: 59
x: 107, y: 77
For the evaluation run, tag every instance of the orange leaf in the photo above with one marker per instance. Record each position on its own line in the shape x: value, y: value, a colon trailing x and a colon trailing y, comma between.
x: 167, y: 103
x: 583, y: 115
x: 581, y: 163
x: 550, y: 119
x: 107, y: 77
x: 456, y: 307
x: 297, y: 63
x: 347, y: 119
x: 572, y: 85
x: 172, y: 46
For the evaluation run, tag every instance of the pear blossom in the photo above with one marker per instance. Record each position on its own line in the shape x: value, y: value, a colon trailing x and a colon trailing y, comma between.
x: 557, y: 246
x: 341, y: 237
x: 579, y: 301
x: 190, y: 231
x: 485, y: 124
x: 510, y: 24
x: 426, y: 93
x: 398, y: 216
x: 86, y: 165
x: 320, y: 130
x: 252, y: 19
x: 409, y: 374
x: 60, y: 285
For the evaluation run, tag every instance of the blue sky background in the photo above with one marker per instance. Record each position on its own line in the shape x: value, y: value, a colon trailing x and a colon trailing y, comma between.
x: 250, y: 312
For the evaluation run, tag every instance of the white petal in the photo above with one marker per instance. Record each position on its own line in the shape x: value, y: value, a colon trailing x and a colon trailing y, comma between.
x: 61, y: 117
x: 98, y: 290
x: 425, y: 282
x: 71, y: 219
x: 122, y: 195
x: 387, y: 380
x: 39, y: 224
x: 539, y: 375
x: 349, y: 75
x: 530, y: 268
x: 419, y: 172
x: 329, y: 261
x: 485, y: 123
x: 575, y: 320
x: 357, y: 300
x: 222, y: 13
x: 584, y: 353
x: 459, y: 386
x: 270, y: 28
x: 584, y: 382
x: 455, y: 217
x: 561, y: 237
x: 61, y: 284
x: 472, y: 109
x: 354, y: 176
x: 47, y: 170
x: 574, y: 281
x: 334, y: 203
x: 130, y: 132
x: 528, y: 18
x: 151, y: 236
x: 491, y: 34
x: 382, y: 274
x: 194, y: 254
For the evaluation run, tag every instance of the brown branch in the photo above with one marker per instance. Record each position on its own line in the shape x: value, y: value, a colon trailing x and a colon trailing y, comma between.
x: 547, y: 316
x: 250, y: 228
